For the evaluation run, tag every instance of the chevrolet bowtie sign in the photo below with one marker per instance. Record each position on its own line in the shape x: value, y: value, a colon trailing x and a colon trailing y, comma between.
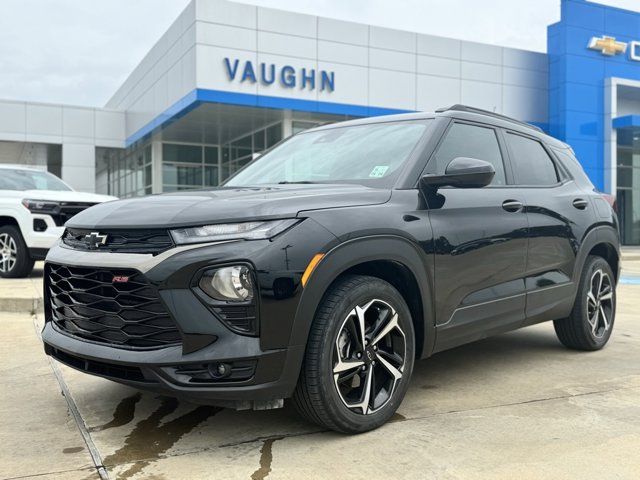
x: 610, y: 47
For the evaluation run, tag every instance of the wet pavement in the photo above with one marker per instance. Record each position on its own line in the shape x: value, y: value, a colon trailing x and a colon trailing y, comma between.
x: 514, y: 406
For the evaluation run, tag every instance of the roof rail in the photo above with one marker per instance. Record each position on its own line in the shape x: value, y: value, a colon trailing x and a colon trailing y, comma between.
x: 466, y: 108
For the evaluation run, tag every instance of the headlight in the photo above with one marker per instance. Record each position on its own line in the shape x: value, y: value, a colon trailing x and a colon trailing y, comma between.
x: 41, y: 206
x: 228, y: 284
x: 232, y: 231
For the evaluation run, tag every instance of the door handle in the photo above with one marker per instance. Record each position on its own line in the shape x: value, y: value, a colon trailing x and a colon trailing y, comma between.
x: 580, y: 203
x: 512, y: 205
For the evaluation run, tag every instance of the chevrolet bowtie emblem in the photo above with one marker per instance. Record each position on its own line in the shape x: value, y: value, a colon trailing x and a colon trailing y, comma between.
x: 94, y: 240
x: 607, y: 45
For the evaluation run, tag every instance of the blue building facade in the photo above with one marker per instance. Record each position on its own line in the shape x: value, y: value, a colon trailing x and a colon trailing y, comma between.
x: 594, y: 99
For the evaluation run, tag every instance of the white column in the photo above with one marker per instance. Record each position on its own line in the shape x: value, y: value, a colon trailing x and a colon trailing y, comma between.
x: 610, y: 136
x: 79, y: 166
x: 287, y: 124
x: 156, y: 166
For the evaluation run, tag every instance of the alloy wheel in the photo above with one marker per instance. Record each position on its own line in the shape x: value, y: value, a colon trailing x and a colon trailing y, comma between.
x: 8, y: 253
x: 369, y: 357
x: 600, y: 303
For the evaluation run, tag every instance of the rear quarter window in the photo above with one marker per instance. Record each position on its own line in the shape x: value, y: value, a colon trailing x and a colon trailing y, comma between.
x: 570, y: 162
x: 532, y: 165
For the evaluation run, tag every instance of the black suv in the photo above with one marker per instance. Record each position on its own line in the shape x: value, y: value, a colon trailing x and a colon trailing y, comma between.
x: 324, y: 268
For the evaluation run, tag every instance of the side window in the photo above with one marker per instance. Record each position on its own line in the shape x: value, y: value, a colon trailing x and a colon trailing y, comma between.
x: 463, y: 140
x: 532, y: 164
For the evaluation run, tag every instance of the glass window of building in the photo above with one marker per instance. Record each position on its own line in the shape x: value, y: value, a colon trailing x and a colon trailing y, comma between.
x: 628, y: 188
x: 186, y: 167
x: 124, y: 173
x: 239, y: 151
x: 129, y: 172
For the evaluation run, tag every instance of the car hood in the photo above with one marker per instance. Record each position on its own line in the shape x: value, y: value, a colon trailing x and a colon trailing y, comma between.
x: 58, y: 196
x: 226, y: 204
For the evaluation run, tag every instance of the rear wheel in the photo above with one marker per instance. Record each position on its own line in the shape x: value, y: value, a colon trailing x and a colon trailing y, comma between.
x: 14, y: 255
x: 591, y: 321
x: 359, y: 356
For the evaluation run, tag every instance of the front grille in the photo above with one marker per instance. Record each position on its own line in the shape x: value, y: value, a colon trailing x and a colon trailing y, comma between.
x: 68, y: 210
x: 117, y: 307
x: 152, y: 241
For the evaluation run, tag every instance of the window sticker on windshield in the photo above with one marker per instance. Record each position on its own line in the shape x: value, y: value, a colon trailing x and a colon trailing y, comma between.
x: 378, y: 171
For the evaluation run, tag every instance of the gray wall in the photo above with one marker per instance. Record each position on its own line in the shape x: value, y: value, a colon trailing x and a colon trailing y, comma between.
x: 78, y: 129
x: 373, y: 66
x: 163, y: 77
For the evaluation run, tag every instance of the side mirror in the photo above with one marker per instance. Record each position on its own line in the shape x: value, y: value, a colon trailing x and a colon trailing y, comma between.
x: 462, y: 172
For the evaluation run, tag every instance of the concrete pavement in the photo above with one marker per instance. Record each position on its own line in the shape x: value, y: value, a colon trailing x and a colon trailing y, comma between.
x: 38, y: 435
x: 22, y: 294
x: 515, y: 406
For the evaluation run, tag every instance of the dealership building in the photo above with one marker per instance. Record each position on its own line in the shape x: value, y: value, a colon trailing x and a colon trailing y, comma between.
x: 228, y: 80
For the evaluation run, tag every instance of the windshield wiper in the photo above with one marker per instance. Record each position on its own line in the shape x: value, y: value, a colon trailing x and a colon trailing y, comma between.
x: 286, y: 182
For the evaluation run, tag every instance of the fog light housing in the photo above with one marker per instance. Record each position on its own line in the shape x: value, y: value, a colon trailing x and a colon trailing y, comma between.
x: 203, y: 373
x: 231, y: 293
x: 219, y: 370
x: 228, y: 284
x: 39, y: 225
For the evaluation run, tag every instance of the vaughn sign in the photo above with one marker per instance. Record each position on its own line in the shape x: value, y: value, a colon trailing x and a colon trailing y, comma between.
x: 286, y: 75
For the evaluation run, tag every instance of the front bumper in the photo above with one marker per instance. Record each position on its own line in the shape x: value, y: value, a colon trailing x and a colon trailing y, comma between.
x: 274, y: 378
x: 42, y: 240
x: 206, y: 340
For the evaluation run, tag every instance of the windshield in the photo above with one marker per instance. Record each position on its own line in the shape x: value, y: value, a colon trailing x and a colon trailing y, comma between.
x: 30, y: 180
x: 370, y: 154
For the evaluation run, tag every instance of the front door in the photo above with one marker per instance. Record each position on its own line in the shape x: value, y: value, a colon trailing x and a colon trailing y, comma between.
x: 480, y: 243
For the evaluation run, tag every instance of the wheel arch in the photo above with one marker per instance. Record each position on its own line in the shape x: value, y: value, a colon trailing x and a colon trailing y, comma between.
x: 391, y: 258
x: 8, y: 220
x: 403, y: 280
x: 604, y: 242
x: 609, y: 253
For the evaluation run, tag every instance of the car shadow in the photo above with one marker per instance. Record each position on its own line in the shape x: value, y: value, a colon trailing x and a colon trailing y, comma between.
x: 488, y: 354
x: 38, y: 270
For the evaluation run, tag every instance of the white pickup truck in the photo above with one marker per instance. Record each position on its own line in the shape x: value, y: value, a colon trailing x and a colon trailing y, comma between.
x: 34, y: 205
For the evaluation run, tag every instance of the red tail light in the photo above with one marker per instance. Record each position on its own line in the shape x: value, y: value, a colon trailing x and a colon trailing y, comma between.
x: 611, y: 200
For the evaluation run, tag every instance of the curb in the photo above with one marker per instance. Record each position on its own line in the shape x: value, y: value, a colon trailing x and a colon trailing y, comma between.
x: 22, y: 305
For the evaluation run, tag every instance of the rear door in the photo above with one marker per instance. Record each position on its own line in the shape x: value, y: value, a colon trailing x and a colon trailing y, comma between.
x: 559, y: 213
x: 480, y: 242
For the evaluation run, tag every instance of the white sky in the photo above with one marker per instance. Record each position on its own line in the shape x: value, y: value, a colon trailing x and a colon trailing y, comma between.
x: 80, y: 51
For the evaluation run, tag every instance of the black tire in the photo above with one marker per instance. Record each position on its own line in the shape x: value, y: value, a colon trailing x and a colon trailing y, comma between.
x: 581, y: 330
x: 317, y: 397
x: 22, y: 264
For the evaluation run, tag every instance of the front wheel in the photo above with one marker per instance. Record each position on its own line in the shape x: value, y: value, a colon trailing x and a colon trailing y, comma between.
x: 359, y: 356
x: 590, y: 323
x: 14, y: 256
